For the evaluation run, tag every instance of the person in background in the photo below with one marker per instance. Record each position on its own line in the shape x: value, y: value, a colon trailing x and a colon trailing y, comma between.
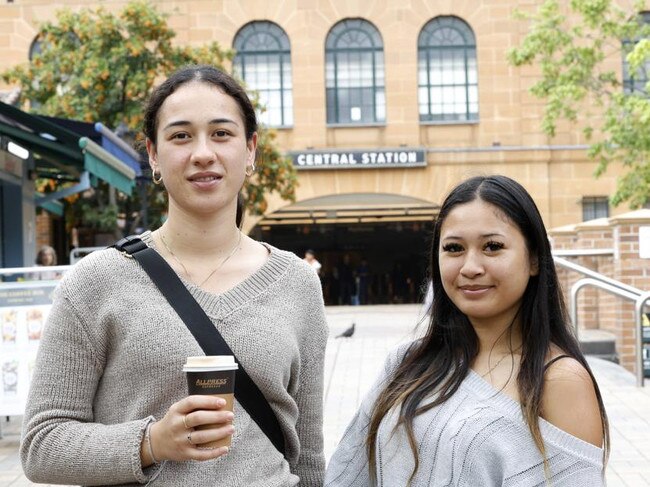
x: 108, y: 403
x: 497, y: 392
x: 333, y: 286
x: 363, y: 281
x: 347, y: 281
x: 310, y: 258
x: 45, y: 257
x: 399, y: 283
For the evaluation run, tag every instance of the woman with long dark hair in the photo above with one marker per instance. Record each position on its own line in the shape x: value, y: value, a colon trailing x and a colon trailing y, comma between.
x: 497, y: 392
x: 109, y: 404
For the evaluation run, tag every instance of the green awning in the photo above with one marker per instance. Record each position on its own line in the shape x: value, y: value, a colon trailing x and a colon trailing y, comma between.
x: 59, y: 151
x: 106, y: 166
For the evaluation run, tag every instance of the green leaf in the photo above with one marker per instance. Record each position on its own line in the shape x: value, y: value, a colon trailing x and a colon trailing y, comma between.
x: 572, y: 45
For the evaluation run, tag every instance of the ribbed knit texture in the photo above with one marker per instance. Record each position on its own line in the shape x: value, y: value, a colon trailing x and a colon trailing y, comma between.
x: 111, y: 358
x: 477, y: 438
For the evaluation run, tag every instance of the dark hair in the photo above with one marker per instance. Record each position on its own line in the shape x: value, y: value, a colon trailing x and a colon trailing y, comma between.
x: 441, y: 360
x: 209, y: 75
x: 40, y: 257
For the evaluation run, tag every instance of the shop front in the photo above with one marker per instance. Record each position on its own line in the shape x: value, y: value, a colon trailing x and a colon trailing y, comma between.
x: 33, y: 147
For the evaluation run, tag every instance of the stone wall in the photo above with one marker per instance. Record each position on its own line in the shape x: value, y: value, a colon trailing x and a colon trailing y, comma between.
x: 506, y: 139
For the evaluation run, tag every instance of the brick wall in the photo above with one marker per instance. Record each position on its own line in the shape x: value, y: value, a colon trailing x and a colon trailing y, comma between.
x: 44, y: 233
x: 599, y: 309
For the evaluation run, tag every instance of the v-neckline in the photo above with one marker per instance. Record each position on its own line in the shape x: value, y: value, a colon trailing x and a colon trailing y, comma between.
x: 219, y: 305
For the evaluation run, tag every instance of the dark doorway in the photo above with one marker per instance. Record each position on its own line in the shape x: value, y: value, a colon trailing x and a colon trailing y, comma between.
x: 364, y: 263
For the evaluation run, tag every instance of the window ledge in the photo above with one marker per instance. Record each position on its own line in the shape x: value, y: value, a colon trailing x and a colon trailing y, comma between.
x: 451, y: 122
x: 354, y: 125
x: 277, y: 127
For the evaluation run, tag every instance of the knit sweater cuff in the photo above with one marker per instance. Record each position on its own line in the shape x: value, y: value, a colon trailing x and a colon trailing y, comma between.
x: 142, y: 475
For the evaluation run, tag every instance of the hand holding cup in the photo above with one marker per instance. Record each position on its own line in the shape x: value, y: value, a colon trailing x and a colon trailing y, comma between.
x: 170, y: 439
x: 198, y: 427
x: 212, y: 376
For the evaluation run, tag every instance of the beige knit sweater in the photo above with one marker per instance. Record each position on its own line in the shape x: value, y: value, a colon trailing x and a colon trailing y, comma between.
x: 111, y: 359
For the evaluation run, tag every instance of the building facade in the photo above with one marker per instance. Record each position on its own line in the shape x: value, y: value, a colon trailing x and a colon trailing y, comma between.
x: 383, y: 106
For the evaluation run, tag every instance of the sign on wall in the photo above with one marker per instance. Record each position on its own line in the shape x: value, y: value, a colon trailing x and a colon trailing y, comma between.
x: 24, y: 307
x: 644, y: 242
x: 10, y: 164
x: 359, y: 159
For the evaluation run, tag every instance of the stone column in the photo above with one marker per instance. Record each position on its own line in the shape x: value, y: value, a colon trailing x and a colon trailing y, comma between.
x: 595, y: 305
x: 564, y: 238
x: 630, y: 267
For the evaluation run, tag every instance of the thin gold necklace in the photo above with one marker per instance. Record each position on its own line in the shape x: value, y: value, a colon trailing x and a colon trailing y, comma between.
x: 511, y: 354
x: 189, y: 276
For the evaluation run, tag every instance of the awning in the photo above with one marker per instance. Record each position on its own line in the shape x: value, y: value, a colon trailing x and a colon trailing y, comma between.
x: 106, y: 138
x: 63, y: 154
x: 353, y: 208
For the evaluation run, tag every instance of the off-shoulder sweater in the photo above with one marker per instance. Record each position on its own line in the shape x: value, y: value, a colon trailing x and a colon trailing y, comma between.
x: 478, y: 437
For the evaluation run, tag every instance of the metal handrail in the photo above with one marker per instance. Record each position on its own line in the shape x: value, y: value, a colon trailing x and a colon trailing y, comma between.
x: 589, y: 281
x: 582, y: 252
x: 596, y: 275
x: 74, y: 258
x: 617, y: 288
x: 8, y: 271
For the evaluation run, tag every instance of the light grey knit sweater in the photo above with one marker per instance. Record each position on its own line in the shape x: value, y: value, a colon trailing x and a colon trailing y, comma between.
x: 477, y: 438
x: 112, y: 355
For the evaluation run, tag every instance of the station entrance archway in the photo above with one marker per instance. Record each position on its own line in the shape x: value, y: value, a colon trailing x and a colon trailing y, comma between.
x: 374, y: 248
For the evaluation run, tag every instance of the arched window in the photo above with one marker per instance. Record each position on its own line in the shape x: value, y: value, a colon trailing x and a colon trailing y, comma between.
x: 354, y: 74
x: 447, y: 72
x: 263, y: 61
x: 35, y: 48
x: 70, y: 39
x: 635, y: 82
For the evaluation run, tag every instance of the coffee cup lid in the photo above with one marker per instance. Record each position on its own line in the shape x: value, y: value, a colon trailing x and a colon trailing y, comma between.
x: 211, y: 361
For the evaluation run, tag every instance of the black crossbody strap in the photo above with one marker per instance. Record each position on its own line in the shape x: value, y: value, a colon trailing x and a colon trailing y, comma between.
x: 205, y: 333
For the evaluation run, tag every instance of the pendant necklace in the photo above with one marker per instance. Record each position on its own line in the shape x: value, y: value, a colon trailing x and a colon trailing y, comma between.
x: 189, y: 276
x: 511, y: 354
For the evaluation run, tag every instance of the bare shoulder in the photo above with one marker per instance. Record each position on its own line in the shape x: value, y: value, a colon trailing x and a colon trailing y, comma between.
x: 569, y: 400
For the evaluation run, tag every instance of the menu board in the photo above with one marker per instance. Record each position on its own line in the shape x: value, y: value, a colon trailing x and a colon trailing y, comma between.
x: 24, y: 308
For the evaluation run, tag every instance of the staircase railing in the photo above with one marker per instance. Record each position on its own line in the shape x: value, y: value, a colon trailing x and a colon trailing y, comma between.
x: 620, y: 289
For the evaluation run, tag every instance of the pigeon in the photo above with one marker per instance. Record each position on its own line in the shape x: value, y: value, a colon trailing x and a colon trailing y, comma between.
x: 347, y: 333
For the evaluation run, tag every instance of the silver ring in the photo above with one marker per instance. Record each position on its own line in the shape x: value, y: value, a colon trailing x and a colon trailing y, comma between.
x: 189, y: 438
x: 185, y: 422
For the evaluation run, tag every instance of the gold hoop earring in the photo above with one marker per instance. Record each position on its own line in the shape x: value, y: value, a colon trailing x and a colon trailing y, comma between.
x: 250, y: 170
x: 156, y: 180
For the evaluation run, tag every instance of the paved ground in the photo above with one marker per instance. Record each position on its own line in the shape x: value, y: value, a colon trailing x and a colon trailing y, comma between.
x: 352, y: 364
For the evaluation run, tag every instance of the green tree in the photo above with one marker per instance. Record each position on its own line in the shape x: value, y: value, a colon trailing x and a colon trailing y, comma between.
x: 95, y: 65
x: 579, y: 47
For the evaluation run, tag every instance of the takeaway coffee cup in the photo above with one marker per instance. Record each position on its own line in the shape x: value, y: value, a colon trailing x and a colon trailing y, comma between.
x: 212, y: 375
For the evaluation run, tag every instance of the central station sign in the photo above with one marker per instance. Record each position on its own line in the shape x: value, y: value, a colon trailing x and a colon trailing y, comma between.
x: 359, y: 159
